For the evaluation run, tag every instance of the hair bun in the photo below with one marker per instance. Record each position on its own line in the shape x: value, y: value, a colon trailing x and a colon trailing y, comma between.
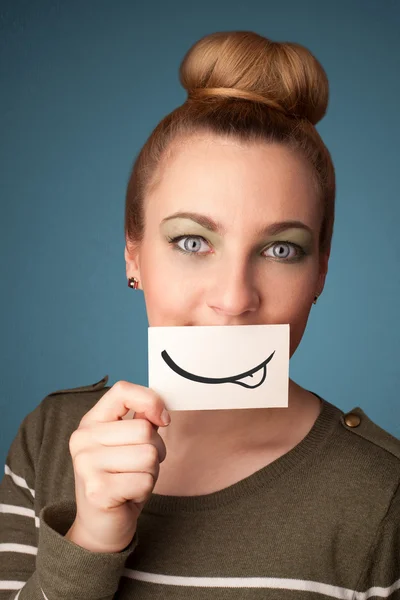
x: 243, y: 64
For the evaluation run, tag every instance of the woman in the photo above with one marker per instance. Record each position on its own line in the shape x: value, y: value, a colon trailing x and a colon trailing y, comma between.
x: 229, y: 220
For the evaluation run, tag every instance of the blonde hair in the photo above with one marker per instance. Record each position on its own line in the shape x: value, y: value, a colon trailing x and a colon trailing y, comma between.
x: 247, y: 87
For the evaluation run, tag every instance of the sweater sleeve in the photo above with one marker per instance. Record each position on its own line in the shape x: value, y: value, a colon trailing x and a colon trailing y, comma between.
x: 381, y: 576
x: 36, y: 561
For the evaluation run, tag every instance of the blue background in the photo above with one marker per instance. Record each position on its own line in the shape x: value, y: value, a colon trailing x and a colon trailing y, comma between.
x: 83, y: 84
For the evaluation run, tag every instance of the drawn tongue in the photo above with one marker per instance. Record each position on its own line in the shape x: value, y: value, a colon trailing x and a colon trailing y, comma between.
x: 254, y: 379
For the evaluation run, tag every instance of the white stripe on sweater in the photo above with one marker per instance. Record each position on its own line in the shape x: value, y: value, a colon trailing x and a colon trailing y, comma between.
x: 20, y: 481
x: 11, y: 585
x: 20, y: 510
x: 250, y: 582
x: 21, y: 548
x: 17, y: 510
x: 265, y: 582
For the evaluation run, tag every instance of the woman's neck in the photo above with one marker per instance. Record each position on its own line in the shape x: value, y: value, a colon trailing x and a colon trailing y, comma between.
x: 212, y: 433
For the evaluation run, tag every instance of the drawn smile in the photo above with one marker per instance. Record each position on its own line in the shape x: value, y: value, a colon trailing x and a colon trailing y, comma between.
x: 233, y: 379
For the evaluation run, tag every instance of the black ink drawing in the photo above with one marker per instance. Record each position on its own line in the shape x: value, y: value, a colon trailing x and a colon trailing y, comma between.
x: 212, y: 380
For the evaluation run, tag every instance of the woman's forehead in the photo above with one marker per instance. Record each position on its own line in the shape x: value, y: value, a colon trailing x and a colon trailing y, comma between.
x: 220, y: 166
x: 234, y: 181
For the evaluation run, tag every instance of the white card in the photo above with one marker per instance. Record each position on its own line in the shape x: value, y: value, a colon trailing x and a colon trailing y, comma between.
x: 220, y: 367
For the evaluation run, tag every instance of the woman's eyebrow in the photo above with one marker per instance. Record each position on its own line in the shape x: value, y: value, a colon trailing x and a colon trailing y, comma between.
x: 212, y: 225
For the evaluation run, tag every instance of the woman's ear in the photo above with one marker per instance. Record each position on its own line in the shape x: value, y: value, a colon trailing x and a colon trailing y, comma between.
x: 132, y: 260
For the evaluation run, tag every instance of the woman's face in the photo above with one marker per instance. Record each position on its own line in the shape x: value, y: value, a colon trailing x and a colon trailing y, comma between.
x: 229, y: 267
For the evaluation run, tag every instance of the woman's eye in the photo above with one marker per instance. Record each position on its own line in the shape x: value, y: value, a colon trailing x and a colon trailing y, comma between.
x: 191, y: 244
x: 282, y: 250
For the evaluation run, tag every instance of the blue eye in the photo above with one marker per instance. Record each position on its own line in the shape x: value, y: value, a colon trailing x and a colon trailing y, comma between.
x: 277, y: 250
x: 189, y: 246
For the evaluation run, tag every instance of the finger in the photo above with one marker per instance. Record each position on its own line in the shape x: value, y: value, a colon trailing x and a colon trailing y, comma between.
x: 122, y: 433
x: 121, y: 459
x: 121, y: 398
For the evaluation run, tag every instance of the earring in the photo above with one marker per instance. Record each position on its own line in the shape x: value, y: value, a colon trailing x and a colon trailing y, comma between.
x: 133, y: 283
x: 315, y: 299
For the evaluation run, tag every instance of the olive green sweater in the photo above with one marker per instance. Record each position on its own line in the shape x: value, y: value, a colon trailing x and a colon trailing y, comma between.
x: 322, y: 521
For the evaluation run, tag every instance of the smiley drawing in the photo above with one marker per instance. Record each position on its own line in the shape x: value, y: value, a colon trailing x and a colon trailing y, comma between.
x: 213, y: 380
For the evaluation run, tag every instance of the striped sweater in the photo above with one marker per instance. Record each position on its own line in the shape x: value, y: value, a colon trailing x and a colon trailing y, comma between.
x: 322, y: 521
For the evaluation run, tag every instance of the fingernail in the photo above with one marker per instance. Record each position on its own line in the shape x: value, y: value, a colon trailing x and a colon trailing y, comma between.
x: 165, y: 417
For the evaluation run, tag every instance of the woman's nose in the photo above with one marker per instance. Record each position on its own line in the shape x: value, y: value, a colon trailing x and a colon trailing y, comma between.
x: 233, y: 291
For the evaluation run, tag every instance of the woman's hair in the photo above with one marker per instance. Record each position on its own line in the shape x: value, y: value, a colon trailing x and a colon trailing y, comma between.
x: 273, y: 92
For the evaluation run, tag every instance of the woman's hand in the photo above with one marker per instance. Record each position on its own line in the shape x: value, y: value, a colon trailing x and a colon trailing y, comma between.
x: 116, y: 466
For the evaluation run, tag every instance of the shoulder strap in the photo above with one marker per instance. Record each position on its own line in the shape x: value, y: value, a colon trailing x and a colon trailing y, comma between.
x: 360, y: 424
x: 85, y: 388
